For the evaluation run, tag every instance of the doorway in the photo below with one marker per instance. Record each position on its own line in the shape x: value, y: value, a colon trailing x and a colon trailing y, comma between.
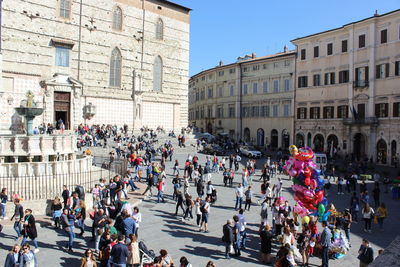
x: 361, y: 111
x: 381, y: 149
x: 260, y: 137
x: 62, y: 104
x: 359, y: 146
x: 274, y: 139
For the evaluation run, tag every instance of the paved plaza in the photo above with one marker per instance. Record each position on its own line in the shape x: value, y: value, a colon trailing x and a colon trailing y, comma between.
x: 162, y: 229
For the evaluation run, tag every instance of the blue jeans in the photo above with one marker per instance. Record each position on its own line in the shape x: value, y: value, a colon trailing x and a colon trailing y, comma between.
x: 3, y: 210
x: 132, y: 184
x: 160, y: 196
x: 17, y: 228
x: 33, y: 240
x: 119, y: 265
x: 243, y: 236
x: 239, y: 201
x: 325, y: 256
x: 71, y: 236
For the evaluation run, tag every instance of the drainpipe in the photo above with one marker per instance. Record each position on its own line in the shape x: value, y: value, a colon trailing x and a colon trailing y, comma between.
x: 143, y: 18
x: 294, y: 99
x: 79, y: 41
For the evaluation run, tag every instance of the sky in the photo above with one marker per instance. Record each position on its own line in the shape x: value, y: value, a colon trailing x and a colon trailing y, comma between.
x: 226, y: 29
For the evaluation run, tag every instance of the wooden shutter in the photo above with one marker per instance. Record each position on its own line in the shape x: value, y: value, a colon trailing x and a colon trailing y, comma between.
x: 387, y: 70
x: 356, y: 74
x: 377, y: 110
x: 326, y: 78
x: 332, y: 78
x: 396, y: 109
x: 378, y: 71
x: 366, y: 73
x: 305, y: 113
x: 396, y: 68
x: 386, y: 110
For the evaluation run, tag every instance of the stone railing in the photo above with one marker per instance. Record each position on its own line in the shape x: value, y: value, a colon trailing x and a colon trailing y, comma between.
x: 37, y: 145
x: 44, y: 180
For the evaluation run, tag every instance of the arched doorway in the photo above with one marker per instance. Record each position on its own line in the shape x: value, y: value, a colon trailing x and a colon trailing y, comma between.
x: 209, y: 128
x: 318, y: 143
x: 285, y: 139
x: 260, y: 137
x: 359, y: 146
x: 299, y: 140
x: 309, y: 139
x: 333, y: 143
x: 381, y: 152
x: 393, y: 152
x: 274, y: 139
x: 246, y: 134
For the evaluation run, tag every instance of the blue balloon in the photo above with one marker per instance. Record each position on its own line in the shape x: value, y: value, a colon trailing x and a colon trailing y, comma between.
x: 324, y: 217
x: 324, y: 202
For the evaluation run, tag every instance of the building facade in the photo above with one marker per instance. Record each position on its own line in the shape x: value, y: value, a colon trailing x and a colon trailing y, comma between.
x: 251, y: 99
x: 97, y: 62
x: 348, y: 89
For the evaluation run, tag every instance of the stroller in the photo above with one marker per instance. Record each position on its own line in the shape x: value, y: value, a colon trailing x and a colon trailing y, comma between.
x: 146, y: 256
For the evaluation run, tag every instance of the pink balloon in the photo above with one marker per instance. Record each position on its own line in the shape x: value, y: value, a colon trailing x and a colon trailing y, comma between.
x: 292, y: 172
x: 298, y: 164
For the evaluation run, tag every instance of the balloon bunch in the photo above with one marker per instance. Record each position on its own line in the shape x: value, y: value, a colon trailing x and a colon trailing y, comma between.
x: 307, y: 184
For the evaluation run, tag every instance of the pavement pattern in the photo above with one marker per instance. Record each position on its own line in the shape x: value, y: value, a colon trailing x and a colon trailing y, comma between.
x: 161, y: 229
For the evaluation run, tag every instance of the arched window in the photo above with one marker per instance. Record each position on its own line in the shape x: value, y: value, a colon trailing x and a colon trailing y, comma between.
x: 65, y: 8
x: 160, y: 29
x: 115, y: 68
x: 157, y: 74
x: 117, y: 18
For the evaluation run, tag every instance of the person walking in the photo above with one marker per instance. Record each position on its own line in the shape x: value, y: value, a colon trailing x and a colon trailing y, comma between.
x: 29, y: 229
x: 368, y: 214
x: 119, y: 253
x: 228, y: 237
x: 266, y: 237
x: 239, y: 196
x: 189, y: 207
x: 68, y: 227
x: 88, y: 259
x: 347, y: 220
x: 381, y: 214
x: 249, y: 195
x: 18, y: 217
x: 14, y: 257
x: 376, y: 192
x: 197, y: 208
x: 326, y: 236
x: 160, y: 188
x: 365, y: 253
x: 134, y: 254
x: 3, y: 203
x: 205, y: 211
x: 28, y: 257
x: 179, y: 202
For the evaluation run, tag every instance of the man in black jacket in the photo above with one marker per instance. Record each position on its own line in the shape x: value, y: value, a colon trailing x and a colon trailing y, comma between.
x: 365, y: 254
x: 228, y: 237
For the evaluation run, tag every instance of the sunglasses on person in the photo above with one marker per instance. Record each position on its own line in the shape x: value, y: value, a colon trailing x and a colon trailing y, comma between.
x: 25, y: 248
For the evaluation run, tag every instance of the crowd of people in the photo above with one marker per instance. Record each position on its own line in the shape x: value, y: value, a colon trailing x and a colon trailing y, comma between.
x: 114, y: 223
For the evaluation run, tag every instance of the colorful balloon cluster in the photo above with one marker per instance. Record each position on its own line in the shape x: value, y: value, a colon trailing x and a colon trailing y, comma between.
x: 307, y: 184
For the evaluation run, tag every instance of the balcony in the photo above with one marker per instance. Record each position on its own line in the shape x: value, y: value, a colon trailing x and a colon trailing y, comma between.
x: 361, y: 121
x: 360, y: 84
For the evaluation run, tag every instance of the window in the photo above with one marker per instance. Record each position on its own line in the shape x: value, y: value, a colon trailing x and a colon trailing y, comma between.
x: 231, y: 71
x: 245, y: 89
x: 210, y: 92
x: 397, y: 68
x: 314, y: 112
x: 344, y: 76
x: 287, y: 63
x: 255, y: 89
x: 286, y: 111
x: 287, y: 85
x: 209, y: 112
x: 62, y: 56
x: 264, y: 111
x: 197, y: 96
x: 328, y: 112
x: 202, y: 95
x: 361, y: 41
x: 276, y: 65
x: 276, y: 86
x: 221, y: 73
x: 210, y: 77
x: 160, y: 29
x: 316, y: 79
x: 157, y: 74
x: 65, y: 9
x: 265, y: 66
x: 362, y: 74
x: 220, y: 92
x: 265, y: 87
x: 255, y: 111
x: 342, y: 111
x: 303, y: 54
x: 302, y: 81
x: 197, y: 114
x: 220, y: 112
x: 203, y: 78
x: 316, y: 51
x: 329, y: 49
x: 396, y: 109
x: 329, y: 78
x: 302, y: 113
x: 245, y: 112
x: 115, y: 68
x: 384, y: 36
x: 245, y: 69
x: 275, y: 111
x: 231, y: 110
x: 117, y: 19
x: 256, y: 67
x: 381, y: 110
x: 382, y: 71
x: 344, y: 46
x: 231, y: 91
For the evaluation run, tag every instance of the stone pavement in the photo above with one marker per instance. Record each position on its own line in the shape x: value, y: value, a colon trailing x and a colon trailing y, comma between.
x: 161, y: 229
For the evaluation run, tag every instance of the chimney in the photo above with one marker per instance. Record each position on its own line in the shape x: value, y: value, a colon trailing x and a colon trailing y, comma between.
x: 253, y: 55
x: 221, y: 63
x: 376, y: 13
x: 285, y: 49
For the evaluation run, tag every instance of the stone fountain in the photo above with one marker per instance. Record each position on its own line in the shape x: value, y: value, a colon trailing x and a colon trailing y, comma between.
x: 29, y: 110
